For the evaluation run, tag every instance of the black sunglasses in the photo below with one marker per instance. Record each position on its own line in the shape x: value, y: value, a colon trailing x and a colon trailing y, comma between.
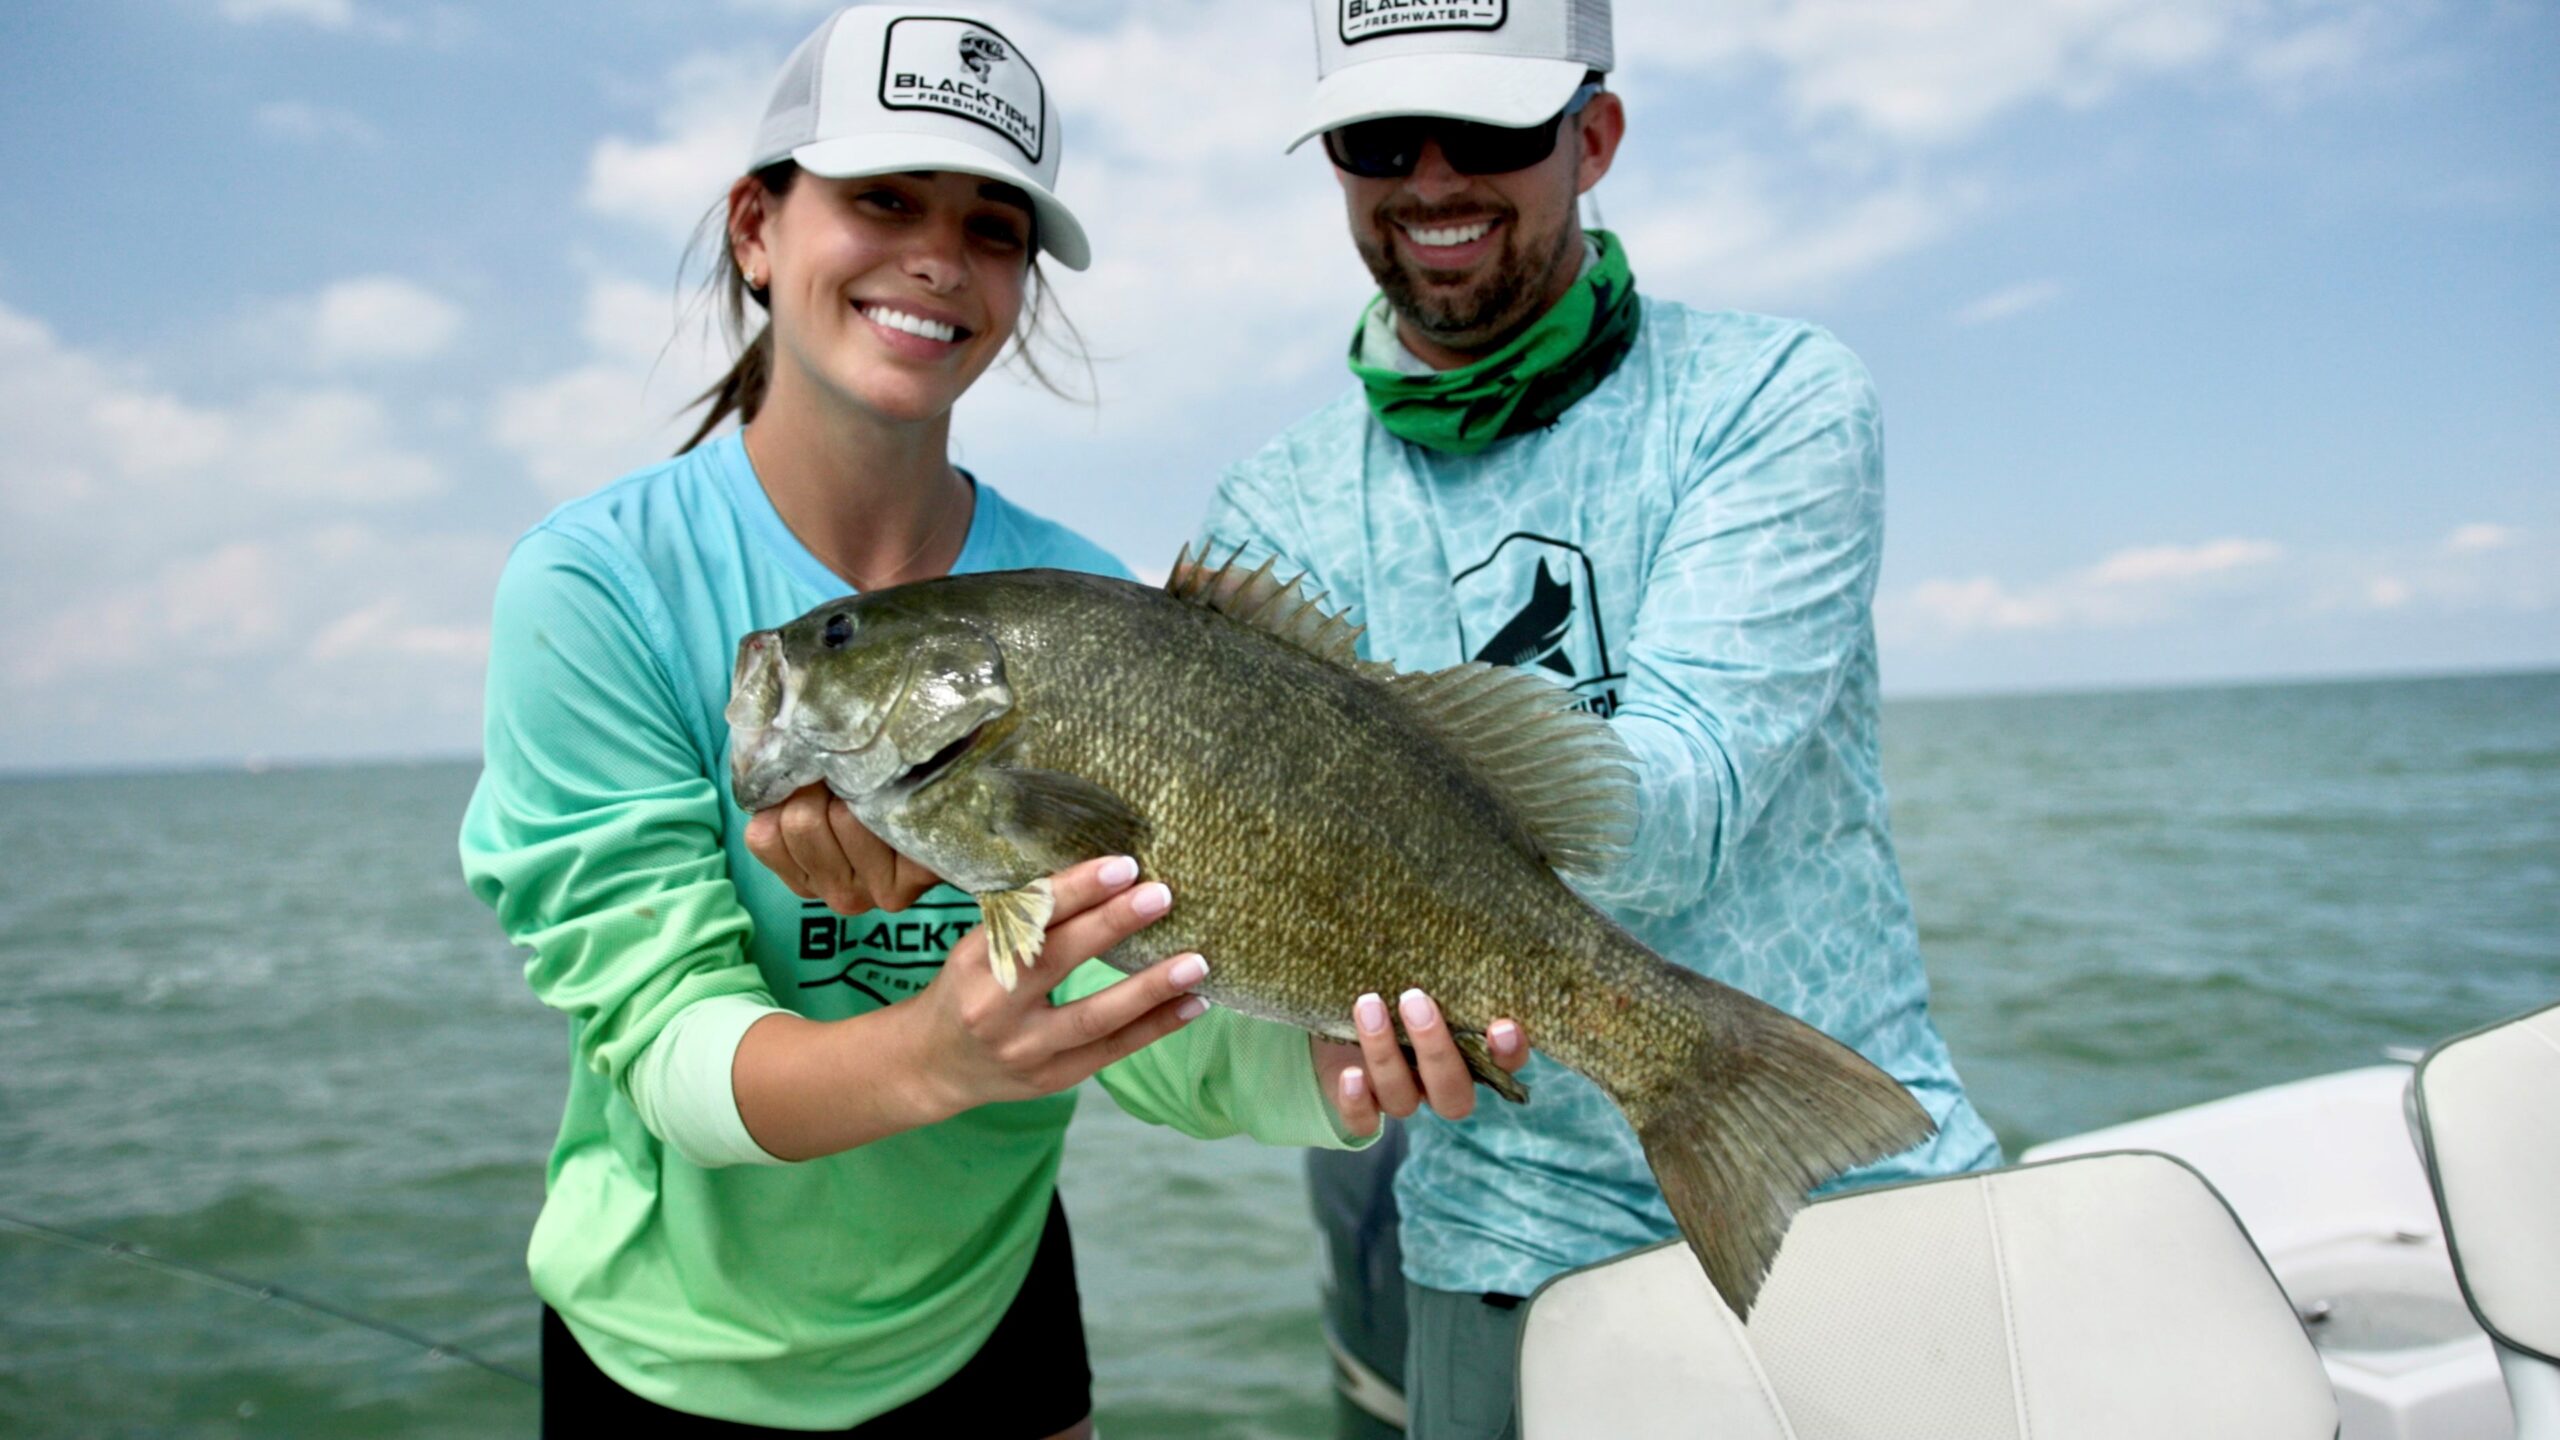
x: 1388, y: 149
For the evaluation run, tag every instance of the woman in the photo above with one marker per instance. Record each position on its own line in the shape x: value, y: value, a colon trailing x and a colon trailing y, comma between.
x: 805, y: 1176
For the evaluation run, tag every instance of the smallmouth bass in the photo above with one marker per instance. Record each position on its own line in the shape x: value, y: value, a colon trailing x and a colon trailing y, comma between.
x: 1330, y: 827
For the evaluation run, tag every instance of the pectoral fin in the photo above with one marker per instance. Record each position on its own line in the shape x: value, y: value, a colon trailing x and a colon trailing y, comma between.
x: 1061, y: 819
x: 1052, y: 820
x: 1017, y: 923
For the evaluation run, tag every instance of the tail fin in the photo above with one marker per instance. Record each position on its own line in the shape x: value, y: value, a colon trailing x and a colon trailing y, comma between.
x: 1765, y: 1110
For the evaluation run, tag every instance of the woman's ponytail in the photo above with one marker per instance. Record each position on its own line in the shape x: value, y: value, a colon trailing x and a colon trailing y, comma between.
x: 741, y: 391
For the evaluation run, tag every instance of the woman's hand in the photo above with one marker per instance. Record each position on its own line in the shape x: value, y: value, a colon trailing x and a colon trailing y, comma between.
x: 1371, y: 1076
x: 807, y: 1088
x: 814, y: 842
x: 988, y: 1044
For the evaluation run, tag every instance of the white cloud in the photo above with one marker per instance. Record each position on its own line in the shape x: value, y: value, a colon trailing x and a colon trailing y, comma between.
x: 84, y: 435
x: 327, y: 444
x: 442, y: 26
x: 2157, y: 564
x: 2159, y: 588
x: 379, y: 318
x: 577, y: 430
x: 1923, y: 73
x: 2322, y: 49
x: 2130, y: 587
x: 326, y: 14
x: 388, y: 628
x: 218, y: 606
x: 2009, y: 301
x: 2471, y: 539
x: 668, y: 182
x: 1980, y: 603
x: 304, y: 123
x: 1732, y: 228
x: 318, y: 639
x: 617, y: 410
x: 144, y: 523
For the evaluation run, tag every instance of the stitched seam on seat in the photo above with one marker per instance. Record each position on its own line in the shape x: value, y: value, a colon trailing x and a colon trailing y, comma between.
x: 1760, y: 1377
x: 2008, y: 1311
x: 2536, y: 1032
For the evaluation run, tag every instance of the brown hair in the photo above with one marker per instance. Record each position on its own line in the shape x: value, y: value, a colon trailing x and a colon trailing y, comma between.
x: 741, y: 391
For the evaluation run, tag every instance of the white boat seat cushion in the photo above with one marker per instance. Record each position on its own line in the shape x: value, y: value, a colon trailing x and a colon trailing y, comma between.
x: 2104, y: 1297
x: 2489, y: 1107
x: 1639, y: 1348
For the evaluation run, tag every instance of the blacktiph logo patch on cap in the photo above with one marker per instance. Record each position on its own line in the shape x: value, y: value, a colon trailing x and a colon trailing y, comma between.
x: 1369, y: 19
x: 966, y: 69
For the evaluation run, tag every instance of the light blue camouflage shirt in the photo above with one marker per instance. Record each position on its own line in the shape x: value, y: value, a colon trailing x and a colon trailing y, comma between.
x: 1692, y: 550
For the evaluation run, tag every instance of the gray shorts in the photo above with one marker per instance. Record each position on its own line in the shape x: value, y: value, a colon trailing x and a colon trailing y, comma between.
x: 1461, y: 1366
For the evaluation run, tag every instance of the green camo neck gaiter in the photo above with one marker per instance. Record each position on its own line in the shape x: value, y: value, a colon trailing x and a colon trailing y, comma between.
x: 1527, y: 384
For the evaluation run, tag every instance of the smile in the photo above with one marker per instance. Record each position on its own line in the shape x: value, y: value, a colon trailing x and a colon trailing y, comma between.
x: 1443, y: 236
x: 892, y: 318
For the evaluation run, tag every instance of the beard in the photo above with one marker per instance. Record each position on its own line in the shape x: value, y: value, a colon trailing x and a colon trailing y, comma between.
x: 1505, y: 293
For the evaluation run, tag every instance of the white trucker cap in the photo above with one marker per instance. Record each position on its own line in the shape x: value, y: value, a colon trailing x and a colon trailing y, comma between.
x: 1500, y: 62
x: 881, y: 89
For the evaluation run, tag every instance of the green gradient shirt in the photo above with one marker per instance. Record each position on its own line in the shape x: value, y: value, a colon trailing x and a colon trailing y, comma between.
x: 801, y: 1296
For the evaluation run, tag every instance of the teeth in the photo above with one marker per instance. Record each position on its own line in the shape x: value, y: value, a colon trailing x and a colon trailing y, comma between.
x: 1449, y: 234
x: 912, y: 324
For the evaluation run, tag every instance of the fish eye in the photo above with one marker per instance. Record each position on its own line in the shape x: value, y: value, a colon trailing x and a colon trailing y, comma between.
x: 839, y: 630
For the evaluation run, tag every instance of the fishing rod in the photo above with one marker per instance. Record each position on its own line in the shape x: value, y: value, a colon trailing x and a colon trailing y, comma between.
x: 259, y: 1290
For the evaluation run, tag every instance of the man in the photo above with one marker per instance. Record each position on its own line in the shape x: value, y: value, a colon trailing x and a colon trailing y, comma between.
x: 1676, y: 514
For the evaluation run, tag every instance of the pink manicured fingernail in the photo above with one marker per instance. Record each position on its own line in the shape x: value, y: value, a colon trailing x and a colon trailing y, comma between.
x: 1371, y: 1013
x: 1419, y: 1012
x: 1355, y: 1084
x: 1151, y: 898
x: 1505, y: 1036
x: 1117, y: 871
x: 1191, y: 1009
x: 1188, y: 971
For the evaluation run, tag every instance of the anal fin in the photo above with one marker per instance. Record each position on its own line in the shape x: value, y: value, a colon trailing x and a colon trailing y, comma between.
x: 1480, y: 1063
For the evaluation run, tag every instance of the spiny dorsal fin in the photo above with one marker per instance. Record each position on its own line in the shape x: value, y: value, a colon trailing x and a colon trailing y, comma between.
x: 1267, y: 603
x: 1563, y: 771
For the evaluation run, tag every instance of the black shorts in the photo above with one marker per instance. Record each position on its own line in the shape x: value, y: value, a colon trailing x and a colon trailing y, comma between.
x: 1028, y: 1381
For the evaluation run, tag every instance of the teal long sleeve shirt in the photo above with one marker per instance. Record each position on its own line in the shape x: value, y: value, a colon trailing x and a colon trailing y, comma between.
x: 1692, y: 550
x: 803, y: 1296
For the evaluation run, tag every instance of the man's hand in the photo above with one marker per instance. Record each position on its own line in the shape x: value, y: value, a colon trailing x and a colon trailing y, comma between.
x: 814, y: 842
x: 1372, y: 1076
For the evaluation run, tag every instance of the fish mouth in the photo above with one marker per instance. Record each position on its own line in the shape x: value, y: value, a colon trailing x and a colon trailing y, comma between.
x: 917, y: 776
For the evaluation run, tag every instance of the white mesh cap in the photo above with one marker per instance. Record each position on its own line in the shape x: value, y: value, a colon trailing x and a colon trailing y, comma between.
x: 1501, y: 62
x: 880, y: 89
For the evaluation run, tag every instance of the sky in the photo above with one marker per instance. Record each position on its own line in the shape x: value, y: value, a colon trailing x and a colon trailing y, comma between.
x: 2218, y: 340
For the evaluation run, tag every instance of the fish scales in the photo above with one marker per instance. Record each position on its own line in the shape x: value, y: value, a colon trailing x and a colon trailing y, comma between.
x: 1422, y: 847
x: 1328, y: 828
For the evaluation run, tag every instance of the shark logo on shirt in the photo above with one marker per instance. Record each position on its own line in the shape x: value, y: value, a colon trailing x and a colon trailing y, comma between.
x: 1536, y: 634
x: 1532, y: 599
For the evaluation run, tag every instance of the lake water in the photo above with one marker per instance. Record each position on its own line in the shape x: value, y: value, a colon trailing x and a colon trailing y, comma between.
x: 254, y: 1022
